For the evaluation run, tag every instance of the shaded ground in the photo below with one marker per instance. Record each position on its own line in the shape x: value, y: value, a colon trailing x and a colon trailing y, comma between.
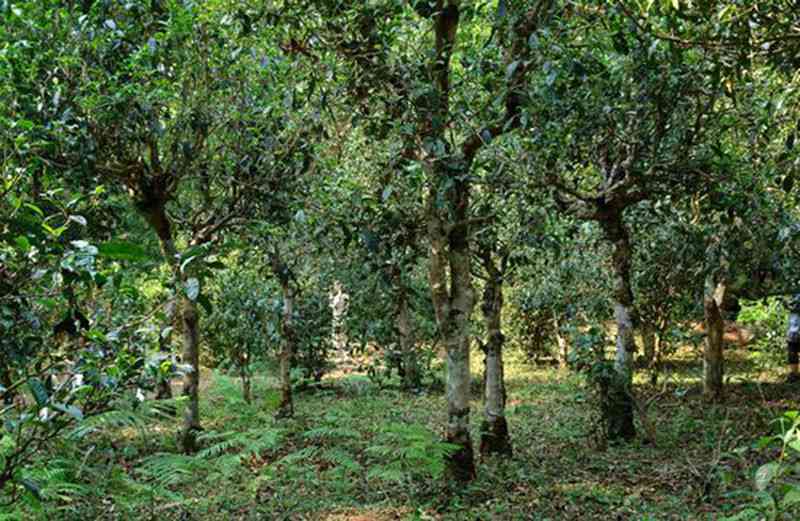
x: 336, y: 461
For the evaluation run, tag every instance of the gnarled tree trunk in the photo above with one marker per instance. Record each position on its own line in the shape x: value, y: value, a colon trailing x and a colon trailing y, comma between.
x: 494, y: 430
x: 713, y: 358
x: 619, y: 400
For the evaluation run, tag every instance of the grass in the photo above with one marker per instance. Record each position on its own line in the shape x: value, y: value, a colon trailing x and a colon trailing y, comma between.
x: 357, y: 452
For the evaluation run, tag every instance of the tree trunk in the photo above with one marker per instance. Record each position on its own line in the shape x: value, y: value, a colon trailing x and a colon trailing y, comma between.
x: 247, y: 394
x: 407, y: 344
x: 191, y: 381
x: 494, y: 430
x: 281, y: 271
x: 619, y: 406
x: 563, y: 346
x: 156, y: 215
x: 713, y: 359
x: 450, y: 259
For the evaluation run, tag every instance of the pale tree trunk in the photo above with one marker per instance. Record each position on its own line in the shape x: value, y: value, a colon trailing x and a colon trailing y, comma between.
x: 284, y: 276
x: 450, y: 255
x: 405, y: 330
x: 619, y: 407
x: 157, y: 217
x: 494, y: 430
x: 713, y: 358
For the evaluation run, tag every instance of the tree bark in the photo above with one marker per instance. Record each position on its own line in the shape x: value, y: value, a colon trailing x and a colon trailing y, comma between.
x: 191, y: 381
x: 494, y: 430
x: 713, y: 358
x: 450, y: 255
x: 619, y: 407
x: 407, y: 344
x: 282, y: 273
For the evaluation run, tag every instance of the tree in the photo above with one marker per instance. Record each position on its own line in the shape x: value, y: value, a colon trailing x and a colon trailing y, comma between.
x: 619, y: 124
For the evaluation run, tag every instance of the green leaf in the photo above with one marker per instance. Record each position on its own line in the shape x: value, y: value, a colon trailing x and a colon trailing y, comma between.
x: 122, y: 250
x: 23, y: 243
x: 38, y: 390
x: 35, y: 209
x: 78, y: 219
x: 69, y: 409
x: 791, y: 498
x: 192, y: 288
x: 32, y: 487
x: 765, y: 474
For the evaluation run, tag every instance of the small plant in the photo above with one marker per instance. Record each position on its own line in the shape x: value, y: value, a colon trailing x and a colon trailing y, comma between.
x: 777, y: 483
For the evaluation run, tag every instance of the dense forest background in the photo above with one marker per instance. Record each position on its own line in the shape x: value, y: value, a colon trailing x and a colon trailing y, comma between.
x: 399, y: 259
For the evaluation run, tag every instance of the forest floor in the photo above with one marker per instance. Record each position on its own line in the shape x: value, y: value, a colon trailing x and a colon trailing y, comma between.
x: 357, y: 452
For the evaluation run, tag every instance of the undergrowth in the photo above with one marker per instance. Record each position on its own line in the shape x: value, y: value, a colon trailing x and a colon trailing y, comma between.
x: 354, y: 448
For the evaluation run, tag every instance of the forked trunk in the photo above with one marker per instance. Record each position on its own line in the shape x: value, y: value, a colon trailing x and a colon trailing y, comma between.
x: 191, y: 380
x: 713, y: 358
x: 407, y: 345
x: 494, y: 430
x: 619, y: 406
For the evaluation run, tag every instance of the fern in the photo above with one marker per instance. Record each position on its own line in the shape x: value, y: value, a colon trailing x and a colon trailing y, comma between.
x: 342, y: 460
x: 331, y: 433
x: 408, y: 451
x: 126, y: 417
x: 167, y: 470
